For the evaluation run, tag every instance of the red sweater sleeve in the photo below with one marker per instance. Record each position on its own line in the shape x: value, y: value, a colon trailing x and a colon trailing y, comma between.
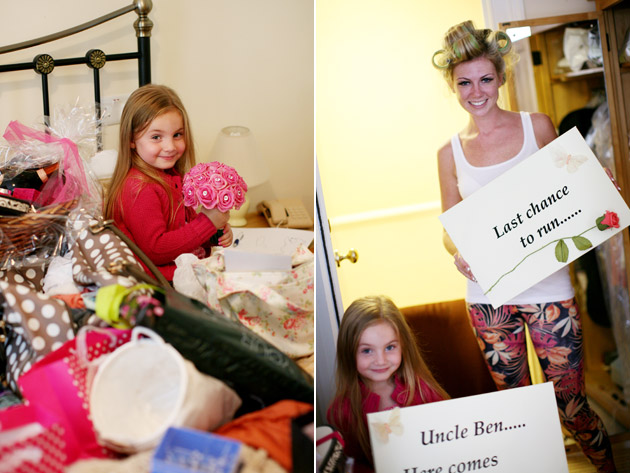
x: 145, y: 219
x: 338, y: 416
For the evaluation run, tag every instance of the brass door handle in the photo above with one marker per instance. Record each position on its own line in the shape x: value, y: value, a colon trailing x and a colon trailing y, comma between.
x: 352, y: 255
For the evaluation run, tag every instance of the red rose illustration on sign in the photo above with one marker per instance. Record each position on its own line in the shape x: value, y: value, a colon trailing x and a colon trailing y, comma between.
x: 608, y: 220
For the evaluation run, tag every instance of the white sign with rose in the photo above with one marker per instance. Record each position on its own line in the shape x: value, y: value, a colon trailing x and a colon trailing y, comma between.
x: 536, y: 218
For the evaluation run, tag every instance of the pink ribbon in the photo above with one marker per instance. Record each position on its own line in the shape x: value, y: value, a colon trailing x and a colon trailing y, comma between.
x: 72, y: 184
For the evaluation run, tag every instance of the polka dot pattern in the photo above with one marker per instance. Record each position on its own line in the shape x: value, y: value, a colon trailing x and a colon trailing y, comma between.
x: 98, y: 344
x: 36, y: 324
x: 67, y: 374
x: 31, y: 276
x: 50, y: 445
x: 39, y: 324
x: 92, y: 256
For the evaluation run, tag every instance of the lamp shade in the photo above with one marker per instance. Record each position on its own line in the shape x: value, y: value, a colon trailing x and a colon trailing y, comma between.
x: 236, y: 147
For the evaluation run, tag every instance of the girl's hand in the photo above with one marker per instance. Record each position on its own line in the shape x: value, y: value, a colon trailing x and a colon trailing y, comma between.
x: 462, y: 266
x: 227, y: 237
x: 218, y: 219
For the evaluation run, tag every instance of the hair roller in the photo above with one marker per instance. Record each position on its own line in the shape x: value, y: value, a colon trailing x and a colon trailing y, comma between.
x: 502, y: 35
x: 443, y: 59
x: 456, y: 52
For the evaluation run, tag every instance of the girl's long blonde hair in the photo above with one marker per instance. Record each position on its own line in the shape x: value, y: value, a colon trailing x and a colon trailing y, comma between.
x: 361, y: 314
x: 144, y: 105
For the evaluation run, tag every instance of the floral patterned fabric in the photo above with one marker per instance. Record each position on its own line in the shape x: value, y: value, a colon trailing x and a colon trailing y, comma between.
x: 556, y: 333
x: 277, y: 305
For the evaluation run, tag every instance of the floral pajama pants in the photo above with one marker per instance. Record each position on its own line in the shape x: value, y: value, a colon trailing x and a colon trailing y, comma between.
x: 556, y: 333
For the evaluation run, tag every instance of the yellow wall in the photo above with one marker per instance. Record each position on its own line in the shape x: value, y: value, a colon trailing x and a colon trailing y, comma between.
x: 382, y: 113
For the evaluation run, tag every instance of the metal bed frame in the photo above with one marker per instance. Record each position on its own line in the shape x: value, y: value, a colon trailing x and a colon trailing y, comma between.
x: 94, y: 59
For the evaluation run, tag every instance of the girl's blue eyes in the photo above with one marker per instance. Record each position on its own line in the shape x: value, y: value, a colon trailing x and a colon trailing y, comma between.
x: 367, y: 351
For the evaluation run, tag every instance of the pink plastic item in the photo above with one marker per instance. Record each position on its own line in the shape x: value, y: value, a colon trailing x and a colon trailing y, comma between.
x: 59, y: 384
x: 31, y: 439
x: 29, y: 195
x: 70, y: 183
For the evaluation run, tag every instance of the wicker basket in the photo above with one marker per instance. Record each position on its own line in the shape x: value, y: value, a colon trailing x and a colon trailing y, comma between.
x: 30, y: 233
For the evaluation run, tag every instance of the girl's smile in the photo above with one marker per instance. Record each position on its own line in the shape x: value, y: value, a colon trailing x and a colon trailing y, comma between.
x: 162, y: 143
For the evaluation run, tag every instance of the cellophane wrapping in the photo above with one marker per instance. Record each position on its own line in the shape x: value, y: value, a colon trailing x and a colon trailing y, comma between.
x: 68, y: 193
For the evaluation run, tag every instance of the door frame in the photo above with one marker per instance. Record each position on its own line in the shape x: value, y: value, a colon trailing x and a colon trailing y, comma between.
x: 329, y: 307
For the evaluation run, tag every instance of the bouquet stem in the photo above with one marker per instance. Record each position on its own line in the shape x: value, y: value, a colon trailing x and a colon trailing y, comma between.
x: 214, y: 239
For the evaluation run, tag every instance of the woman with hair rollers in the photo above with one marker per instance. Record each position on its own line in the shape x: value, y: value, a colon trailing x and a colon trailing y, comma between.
x: 473, y: 62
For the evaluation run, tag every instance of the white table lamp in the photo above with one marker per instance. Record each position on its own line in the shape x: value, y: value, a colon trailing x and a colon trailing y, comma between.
x: 236, y: 147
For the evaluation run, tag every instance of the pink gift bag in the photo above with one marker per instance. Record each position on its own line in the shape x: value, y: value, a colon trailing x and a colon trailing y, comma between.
x: 31, y: 439
x: 59, y: 383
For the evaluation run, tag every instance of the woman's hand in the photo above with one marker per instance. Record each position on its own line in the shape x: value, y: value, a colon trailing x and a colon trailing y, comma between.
x: 462, y: 267
x: 227, y: 237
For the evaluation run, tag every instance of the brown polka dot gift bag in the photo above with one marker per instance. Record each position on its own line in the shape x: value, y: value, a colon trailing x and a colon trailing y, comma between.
x: 99, y: 249
x: 34, y: 324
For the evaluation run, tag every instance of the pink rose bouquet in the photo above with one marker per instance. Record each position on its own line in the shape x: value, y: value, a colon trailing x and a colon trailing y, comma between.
x: 214, y: 185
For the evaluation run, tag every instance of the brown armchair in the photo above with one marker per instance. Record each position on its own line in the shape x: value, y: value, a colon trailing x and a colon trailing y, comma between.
x: 449, y: 347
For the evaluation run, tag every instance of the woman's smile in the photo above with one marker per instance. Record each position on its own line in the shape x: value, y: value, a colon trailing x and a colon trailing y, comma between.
x: 479, y: 103
x: 476, y: 84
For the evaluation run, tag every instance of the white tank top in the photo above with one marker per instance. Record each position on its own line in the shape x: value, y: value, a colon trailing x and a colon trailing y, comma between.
x: 556, y: 287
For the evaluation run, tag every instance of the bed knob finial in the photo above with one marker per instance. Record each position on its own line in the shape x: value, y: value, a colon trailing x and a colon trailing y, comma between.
x: 143, y: 24
x: 143, y: 7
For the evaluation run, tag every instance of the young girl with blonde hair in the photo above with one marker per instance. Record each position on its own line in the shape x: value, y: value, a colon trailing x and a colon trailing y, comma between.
x: 379, y: 367
x: 145, y: 196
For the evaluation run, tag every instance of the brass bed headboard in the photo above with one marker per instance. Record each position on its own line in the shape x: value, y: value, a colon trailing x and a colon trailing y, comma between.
x: 94, y: 59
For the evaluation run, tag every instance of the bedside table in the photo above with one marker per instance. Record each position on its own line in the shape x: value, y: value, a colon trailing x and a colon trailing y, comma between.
x: 258, y: 220
x: 254, y: 220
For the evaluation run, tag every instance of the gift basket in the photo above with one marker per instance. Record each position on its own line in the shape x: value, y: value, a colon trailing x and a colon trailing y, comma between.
x: 44, y: 181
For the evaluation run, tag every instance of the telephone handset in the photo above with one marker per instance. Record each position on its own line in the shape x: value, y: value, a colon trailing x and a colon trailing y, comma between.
x: 286, y: 213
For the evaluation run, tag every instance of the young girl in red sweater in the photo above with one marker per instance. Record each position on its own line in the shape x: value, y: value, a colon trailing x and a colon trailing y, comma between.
x: 379, y: 367
x: 145, y: 196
